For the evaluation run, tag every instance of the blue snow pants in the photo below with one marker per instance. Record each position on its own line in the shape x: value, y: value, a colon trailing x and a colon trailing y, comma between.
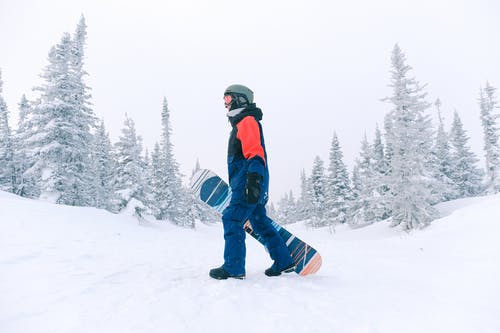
x: 233, y: 219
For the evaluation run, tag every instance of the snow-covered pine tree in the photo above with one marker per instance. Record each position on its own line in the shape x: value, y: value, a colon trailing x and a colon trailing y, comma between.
x: 356, y: 185
x: 272, y: 212
x: 198, y: 212
x: 466, y: 176
x: 317, y: 194
x: 283, y: 209
x: 155, y: 178
x: 338, y: 194
x: 167, y: 187
x: 389, y: 138
x: 104, y: 168
x: 356, y: 210
x: 381, y: 169
x: 78, y: 49
x: 7, y: 171
x: 380, y: 164
x: 363, y: 186
x: 85, y: 121
x: 81, y: 93
x: 148, y: 176
x: 410, y: 179
x: 287, y: 209
x: 304, y: 202
x: 147, y: 158
x: 25, y: 184
x: 488, y: 104
x: 62, y: 138
x: 291, y: 209
x: 170, y: 199
x: 129, y: 180
x: 47, y: 111
x: 445, y: 189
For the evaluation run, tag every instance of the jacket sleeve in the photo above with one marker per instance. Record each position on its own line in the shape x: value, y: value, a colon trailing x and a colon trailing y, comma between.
x: 250, y: 138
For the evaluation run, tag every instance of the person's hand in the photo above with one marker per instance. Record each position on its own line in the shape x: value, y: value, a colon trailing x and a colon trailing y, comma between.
x: 252, y: 188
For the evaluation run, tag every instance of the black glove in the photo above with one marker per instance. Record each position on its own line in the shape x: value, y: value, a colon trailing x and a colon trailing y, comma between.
x: 252, y: 188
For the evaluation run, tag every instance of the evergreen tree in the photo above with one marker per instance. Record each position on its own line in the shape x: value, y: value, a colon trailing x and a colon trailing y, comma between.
x: 291, y: 209
x: 195, y: 212
x: 272, y: 212
x: 338, y: 192
x: 369, y: 203
x: 62, y: 138
x: 358, y: 206
x: 317, y: 194
x: 389, y: 139
x: 85, y: 120
x: 155, y: 180
x: 81, y: 94
x: 380, y: 164
x: 129, y: 181
x: 7, y: 171
x: 148, y: 176
x: 356, y: 185
x: 445, y: 189
x: 304, y: 208
x: 361, y: 211
x: 23, y: 160
x: 488, y: 104
x: 104, y: 168
x: 171, y: 200
x: 409, y: 178
x: 381, y: 172
x: 466, y: 176
x: 287, y: 209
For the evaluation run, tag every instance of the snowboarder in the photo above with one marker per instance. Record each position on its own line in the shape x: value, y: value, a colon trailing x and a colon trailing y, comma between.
x: 249, y: 181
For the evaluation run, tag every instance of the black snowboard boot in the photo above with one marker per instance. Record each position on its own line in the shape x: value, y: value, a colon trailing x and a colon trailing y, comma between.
x: 221, y: 274
x: 273, y: 271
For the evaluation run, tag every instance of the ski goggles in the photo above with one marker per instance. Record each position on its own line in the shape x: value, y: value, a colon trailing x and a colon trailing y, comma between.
x: 228, y: 100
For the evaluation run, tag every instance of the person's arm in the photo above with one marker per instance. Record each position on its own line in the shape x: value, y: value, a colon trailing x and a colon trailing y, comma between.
x: 250, y: 138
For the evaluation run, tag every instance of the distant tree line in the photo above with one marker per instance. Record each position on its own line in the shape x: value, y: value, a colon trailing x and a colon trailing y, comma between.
x: 406, y: 170
x: 62, y: 153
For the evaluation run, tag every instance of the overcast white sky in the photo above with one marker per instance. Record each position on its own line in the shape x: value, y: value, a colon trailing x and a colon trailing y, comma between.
x: 315, y: 66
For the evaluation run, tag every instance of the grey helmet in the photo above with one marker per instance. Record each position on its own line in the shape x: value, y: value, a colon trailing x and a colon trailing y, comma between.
x: 242, y: 95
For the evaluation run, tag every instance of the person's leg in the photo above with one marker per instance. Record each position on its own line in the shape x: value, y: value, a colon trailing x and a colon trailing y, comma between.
x: 278, y: 251
x: 233, y: 219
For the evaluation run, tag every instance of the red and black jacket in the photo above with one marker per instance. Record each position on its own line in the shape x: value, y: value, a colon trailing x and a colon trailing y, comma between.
x: 247, y: 152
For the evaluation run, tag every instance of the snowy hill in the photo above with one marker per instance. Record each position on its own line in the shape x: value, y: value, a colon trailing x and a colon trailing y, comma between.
x: 66, y: 269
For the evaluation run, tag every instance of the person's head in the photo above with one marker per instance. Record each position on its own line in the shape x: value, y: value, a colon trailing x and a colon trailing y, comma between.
x: 237, y: 96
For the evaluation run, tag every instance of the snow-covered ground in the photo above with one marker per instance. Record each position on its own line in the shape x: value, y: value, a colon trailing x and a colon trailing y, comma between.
x: 66, y: 269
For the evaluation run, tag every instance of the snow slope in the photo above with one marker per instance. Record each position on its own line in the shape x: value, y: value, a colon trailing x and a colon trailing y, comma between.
x: 66, y: 269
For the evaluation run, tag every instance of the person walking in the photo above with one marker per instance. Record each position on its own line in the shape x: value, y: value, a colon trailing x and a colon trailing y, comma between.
x: 249, y: 182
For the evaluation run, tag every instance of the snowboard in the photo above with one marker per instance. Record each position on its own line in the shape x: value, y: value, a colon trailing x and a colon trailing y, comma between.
x: 214, y: 191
